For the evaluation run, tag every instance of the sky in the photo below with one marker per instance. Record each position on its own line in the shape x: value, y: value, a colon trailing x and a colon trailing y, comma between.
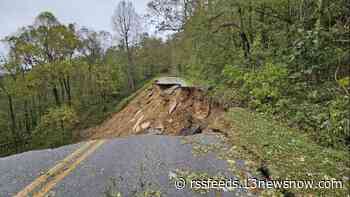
x: 95, y: 14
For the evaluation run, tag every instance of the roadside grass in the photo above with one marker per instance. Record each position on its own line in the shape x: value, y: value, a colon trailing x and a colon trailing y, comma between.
x: 288, y: 153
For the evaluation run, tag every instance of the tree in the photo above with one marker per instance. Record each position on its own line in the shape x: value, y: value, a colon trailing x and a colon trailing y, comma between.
x: 54, y: 128
x: 126, y: 23
x: 53, y: 71
x: 46, y: 43
x: 94, y: 44
x: 153, y: 56
x: 7, y: 88
x: 171, y: 15
x: 236, y: 43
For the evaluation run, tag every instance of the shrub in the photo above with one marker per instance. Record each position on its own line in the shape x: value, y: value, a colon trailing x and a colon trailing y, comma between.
x: 267, y: 84
x: 322, y: 113
x: 55, y: 127
x: 336, y: 129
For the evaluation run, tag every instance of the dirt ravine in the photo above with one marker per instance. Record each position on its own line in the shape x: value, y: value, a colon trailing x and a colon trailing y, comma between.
x: 164, y: 109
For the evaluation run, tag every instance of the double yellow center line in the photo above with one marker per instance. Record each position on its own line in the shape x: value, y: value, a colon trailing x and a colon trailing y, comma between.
x: 43, y: 184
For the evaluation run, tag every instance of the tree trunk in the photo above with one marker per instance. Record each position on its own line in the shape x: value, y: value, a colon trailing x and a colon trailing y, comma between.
x: 289, y: 15
x: 66, y: 83
x: 63, y: 95
x: 246, y: 45
x: 33, y: 113
x: 12, y: 115
x: 264, y: 36
x: 26, y: 118
x: 131, y: 81
x: 243, y: 35
x: 250, y: 23
x: 322, y: 24
x: 56, y: 95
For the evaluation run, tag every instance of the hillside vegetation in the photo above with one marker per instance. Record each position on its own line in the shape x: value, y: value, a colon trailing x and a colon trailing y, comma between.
x: 58, y: 79
x: 288, y: 59
x: 285, y: 61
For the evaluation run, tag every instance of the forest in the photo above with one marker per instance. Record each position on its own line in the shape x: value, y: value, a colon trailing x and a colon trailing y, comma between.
x: 285, y: 59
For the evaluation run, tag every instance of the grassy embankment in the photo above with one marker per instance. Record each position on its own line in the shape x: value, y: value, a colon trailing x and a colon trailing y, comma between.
x: 288, y: 153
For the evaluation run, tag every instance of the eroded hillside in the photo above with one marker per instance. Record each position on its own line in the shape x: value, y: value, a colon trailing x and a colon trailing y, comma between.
x: 164, y: 109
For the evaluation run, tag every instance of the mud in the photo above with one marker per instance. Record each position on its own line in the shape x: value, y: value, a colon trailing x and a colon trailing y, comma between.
x: 164, y: 110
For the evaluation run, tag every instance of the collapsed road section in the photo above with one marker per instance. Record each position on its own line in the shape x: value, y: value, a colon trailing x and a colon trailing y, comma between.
x: 168, y: 107
x: 165, y: 117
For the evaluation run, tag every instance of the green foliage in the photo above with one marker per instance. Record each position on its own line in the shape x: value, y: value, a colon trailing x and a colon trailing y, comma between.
x: 289, y: 59
x: 266, y: 85
x: 234, y: 75
x: 267, y: 89
x: 338, y: 126
x: 3, y: 128
x: 153, y: 57
x: 55, y: 127
x: 344, y: 82
x: 289, y: 154
x: 57, y: 74
x: 262, y: 86
x: 311, y: 54
x: 285, y: 58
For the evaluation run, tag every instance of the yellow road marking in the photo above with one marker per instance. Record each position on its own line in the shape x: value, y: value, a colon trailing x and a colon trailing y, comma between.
x: 43, y: 178
x: 46, y: 188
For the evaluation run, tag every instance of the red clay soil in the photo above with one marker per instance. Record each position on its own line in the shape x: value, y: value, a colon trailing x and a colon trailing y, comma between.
x: 165, y: 110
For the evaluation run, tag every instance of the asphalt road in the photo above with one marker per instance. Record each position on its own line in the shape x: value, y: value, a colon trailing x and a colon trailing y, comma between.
x: 127, y: 165
x: 171, y: 81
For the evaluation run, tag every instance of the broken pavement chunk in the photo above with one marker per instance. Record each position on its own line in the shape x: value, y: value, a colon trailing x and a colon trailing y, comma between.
x: 171, y: 90
x: 166, y: 106
x: 168, y: 81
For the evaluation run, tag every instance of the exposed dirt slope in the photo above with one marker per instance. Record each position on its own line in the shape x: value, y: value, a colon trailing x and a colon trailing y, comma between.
x: 164, y: 110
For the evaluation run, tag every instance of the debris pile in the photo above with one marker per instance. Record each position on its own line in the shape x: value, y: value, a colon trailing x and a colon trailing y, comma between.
x: 166, y: 108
